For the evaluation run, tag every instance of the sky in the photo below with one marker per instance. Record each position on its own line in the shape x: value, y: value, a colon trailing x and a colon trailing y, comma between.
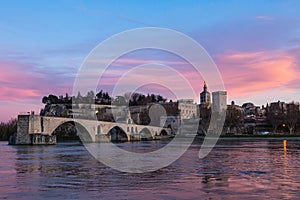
x: 254, y: 44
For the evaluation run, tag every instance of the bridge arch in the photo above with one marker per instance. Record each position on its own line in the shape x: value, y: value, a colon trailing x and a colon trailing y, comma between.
x: 81, y: 131
x: 145, y: 134
x: 163, y: 132
x: 117, y: 134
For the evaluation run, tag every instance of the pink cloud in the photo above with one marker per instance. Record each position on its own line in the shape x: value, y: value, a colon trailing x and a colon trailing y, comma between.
x: 247, y: 73
x: 182, y: 67
x: 22, y: 86
x: 9, y: 109
x: 14, y: 94
x: 20, y: 81
x: 244, y: 74
x: 15, y: 82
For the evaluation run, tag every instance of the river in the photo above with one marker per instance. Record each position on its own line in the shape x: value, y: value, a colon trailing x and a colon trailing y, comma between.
x: 235, y: 169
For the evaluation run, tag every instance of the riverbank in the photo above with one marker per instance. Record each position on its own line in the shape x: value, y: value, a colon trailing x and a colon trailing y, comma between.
x: 260, y: 136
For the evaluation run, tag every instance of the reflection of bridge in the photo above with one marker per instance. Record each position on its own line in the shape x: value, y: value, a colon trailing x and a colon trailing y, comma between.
x: 35, y: 129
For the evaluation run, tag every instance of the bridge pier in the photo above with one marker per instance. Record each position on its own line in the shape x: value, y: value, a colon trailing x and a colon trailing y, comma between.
x: 102, y: 138
x: 22, y: 136
x: 134, y: 137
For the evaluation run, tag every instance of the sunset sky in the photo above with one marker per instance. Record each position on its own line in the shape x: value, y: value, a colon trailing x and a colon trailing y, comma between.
x: 255, y: 44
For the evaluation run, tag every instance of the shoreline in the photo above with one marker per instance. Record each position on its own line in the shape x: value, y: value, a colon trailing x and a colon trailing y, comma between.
x: 260, y: 136
x: 296, y: 137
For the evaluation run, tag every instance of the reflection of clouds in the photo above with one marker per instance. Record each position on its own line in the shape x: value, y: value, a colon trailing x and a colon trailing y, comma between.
x: 7, y: 170
x: 239, y: 169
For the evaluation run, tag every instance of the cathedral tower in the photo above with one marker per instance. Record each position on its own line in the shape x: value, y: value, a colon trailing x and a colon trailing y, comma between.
x: 205, y: 95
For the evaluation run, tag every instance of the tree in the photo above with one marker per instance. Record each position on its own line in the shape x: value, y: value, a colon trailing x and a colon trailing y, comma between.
x: 7, y: 129
x: 120, y: 101
x: 205, y: 115
x: 161, y: 99
x: 45, y: 100
x: 292, y: 116
x: 90, y: 97
x: 99, y: 95
x: 127, y: 96
x: 67, y: 99
x: 103, y: 98
x: 134, y: 99
x: 276, y: 114
x: 79, y: 97
x: 137, y: 99
x: 233, y: 116
x: 53, y: 99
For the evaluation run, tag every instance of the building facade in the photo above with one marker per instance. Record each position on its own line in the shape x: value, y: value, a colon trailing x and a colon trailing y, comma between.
x: 188, y: 109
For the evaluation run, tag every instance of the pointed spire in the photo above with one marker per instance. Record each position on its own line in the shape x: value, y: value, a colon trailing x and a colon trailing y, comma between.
x: 205, y: 87
x: 205, y: 95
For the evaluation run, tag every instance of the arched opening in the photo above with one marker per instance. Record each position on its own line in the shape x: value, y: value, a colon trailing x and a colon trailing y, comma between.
x: 116, y: 134
x: 163, y: 132
x: 145, y: 134
x: 71, y: 131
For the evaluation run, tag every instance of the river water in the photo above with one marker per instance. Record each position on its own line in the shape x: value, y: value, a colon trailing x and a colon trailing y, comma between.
x: 235, y: 169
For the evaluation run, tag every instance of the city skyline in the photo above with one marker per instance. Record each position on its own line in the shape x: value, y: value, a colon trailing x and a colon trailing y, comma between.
x: 255, y: 45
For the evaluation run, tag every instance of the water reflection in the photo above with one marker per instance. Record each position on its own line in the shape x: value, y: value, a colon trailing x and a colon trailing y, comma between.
x: 235, y: 169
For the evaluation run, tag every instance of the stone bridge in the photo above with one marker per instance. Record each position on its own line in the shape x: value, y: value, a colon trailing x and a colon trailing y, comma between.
x: 35, y: 129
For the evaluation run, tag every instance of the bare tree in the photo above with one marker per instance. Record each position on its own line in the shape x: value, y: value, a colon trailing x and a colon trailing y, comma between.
x: 276, y: 114
x: 292, y: 116
x: 233, y: 116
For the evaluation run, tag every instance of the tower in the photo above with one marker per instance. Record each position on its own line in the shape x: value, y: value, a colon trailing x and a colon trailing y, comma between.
x: 205, y: 95
x: 219, y: 101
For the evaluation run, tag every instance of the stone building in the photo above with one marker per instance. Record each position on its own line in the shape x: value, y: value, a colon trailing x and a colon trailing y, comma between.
x: 188, y: 109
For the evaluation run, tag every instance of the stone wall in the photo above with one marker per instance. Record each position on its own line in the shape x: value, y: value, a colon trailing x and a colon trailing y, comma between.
x: 43, y: 139
x: 22, y: 136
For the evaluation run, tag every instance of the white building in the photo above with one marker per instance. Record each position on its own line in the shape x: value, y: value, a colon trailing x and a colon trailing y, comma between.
x: 219, y: 101
x: 188, y: 109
